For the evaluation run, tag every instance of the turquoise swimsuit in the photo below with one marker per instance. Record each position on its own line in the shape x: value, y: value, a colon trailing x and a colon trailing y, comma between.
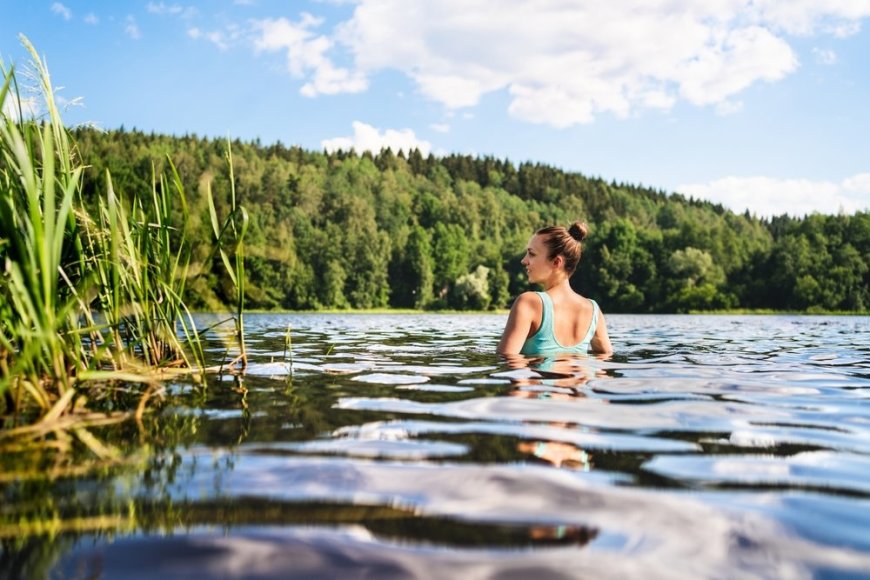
x: 544, y: 342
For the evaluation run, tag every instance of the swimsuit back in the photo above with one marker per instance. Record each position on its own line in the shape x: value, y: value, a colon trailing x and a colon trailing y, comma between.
x: 544, y: 342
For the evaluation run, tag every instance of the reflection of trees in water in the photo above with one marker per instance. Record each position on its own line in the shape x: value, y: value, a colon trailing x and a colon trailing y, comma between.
x: 54, y: 494
x: 32, y: 556
x: 37, y: 555
x: 64, y: 485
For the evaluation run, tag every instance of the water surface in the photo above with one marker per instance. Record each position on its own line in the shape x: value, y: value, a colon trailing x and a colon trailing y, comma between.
x: 402, y: 446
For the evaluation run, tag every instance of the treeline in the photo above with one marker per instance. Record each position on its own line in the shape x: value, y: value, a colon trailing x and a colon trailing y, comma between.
x: 345, y: 230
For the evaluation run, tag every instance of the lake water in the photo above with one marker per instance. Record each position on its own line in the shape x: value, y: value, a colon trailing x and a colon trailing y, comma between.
x: 396, y: 446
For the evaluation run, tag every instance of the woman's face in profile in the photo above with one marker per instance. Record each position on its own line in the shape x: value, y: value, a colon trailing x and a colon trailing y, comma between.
x: 538, y: 266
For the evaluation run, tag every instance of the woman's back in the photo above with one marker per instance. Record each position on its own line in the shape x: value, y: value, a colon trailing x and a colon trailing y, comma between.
x: 566, y: 324
x: 572, y: 316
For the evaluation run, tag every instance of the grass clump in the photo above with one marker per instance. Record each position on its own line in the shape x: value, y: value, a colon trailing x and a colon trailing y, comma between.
x: 86, y: 295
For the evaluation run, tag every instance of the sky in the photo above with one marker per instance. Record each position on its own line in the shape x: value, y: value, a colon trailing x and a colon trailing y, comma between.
x: 760, y: 105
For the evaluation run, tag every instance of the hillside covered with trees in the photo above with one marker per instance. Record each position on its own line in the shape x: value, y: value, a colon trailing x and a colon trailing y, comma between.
x: 346, y: 230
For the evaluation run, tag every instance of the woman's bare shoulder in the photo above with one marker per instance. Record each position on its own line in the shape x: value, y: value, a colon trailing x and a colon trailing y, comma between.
x: 528, y: 297
x: 528, y: 302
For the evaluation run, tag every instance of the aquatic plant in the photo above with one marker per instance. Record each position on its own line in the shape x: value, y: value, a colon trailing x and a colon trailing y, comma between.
x: 40, y: 345
x: 88, y: 296
x: 141, y: 258
x: 288, y: 347
x: 231, y: 233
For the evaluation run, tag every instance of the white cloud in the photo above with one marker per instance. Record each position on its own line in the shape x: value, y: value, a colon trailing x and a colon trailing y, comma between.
x: 845, y: 30
x: 171, y: 9
x: 806, y: 17
x: 223, y: 39
x: 743, y: 57
x: 368, y: 138
x: 440, y: 127
x: 562, y: 63
x: 29, y: 107
x: 307, y: 55
x: 860, y: 185
x: 766, y: 196
x: 726, y: 108
x: 61, y: 10
x: 92, y: 19
x: 132, y: 28
x: 217, y: 38
x: 825, y: 56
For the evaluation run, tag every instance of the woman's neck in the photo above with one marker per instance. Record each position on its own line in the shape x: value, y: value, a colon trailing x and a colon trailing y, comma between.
x: 557, y: 283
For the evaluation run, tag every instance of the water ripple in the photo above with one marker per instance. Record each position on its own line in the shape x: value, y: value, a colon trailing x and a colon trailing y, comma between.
x: 403, y: 446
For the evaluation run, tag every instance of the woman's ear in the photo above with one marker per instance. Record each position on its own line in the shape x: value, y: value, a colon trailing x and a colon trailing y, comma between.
x: 559, y: 261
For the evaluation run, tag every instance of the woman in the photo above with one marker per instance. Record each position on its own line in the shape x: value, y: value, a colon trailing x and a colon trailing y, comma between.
x: 557, y: 320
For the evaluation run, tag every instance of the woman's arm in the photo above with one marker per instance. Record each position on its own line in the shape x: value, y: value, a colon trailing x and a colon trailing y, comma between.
x: 601, y: 340
x: 519, y: 323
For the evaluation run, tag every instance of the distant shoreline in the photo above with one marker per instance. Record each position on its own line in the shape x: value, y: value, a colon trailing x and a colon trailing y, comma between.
x: 726, y: 312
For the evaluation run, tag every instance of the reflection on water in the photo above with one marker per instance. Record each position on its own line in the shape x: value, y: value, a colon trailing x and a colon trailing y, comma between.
x: 401, y: 446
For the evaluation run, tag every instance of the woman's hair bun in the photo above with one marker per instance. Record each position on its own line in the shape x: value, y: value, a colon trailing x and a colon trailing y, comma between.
x: 578, y: 231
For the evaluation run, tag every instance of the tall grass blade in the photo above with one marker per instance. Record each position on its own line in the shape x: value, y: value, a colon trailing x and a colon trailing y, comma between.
x: 90, y: 295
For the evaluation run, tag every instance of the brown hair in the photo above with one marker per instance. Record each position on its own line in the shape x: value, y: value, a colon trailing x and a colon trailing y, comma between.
x: 565, y: 242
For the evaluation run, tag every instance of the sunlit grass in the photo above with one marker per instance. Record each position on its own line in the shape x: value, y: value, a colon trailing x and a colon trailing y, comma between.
x: 232, y: 233
x: 92, y: 295
x: 41, y: 253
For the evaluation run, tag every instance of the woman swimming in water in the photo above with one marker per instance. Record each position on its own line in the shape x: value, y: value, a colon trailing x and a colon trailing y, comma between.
x: 557, y: 320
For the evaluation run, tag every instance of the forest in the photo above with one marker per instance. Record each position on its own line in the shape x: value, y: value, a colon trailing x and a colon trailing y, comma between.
x: 360, y: 231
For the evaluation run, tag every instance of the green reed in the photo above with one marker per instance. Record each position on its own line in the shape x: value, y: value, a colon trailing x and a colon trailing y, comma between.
x: 141, y: 258
x: 87, y: 295
x: 38, y: 184
x: 231, y: 233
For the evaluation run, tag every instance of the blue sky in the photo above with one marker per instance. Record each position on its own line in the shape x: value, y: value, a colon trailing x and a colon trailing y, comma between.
x: 757, y: 104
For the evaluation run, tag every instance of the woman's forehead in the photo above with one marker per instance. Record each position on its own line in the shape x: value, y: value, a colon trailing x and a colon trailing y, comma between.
x: 536, y: 242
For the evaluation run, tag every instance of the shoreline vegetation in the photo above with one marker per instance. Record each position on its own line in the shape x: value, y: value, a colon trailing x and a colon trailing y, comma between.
x: 111, y: 241
x: 93, y: 308
x: 771, y: 312
x: 505, y: 311
x: 345, y: 230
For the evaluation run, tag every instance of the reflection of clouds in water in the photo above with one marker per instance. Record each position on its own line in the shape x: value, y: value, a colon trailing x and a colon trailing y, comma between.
x: 352, y: 367
x: 390, y: 379
x: 341, y: 551
x: 855, y: 438
x: 696, y: 538
x: 435, y: 388
x: 432, y: 370
x: 679, y: 387
x: 344, y: 550
x: 811, y: 468
x: 393, y: 449
x: 410, y: 348
x: 580, y: 436
x: 703, y: 415
x: 484, y: 381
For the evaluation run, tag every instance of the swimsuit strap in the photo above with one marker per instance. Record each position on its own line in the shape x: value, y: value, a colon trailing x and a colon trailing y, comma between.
x: 593, y: 325
x: 547, y: 314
